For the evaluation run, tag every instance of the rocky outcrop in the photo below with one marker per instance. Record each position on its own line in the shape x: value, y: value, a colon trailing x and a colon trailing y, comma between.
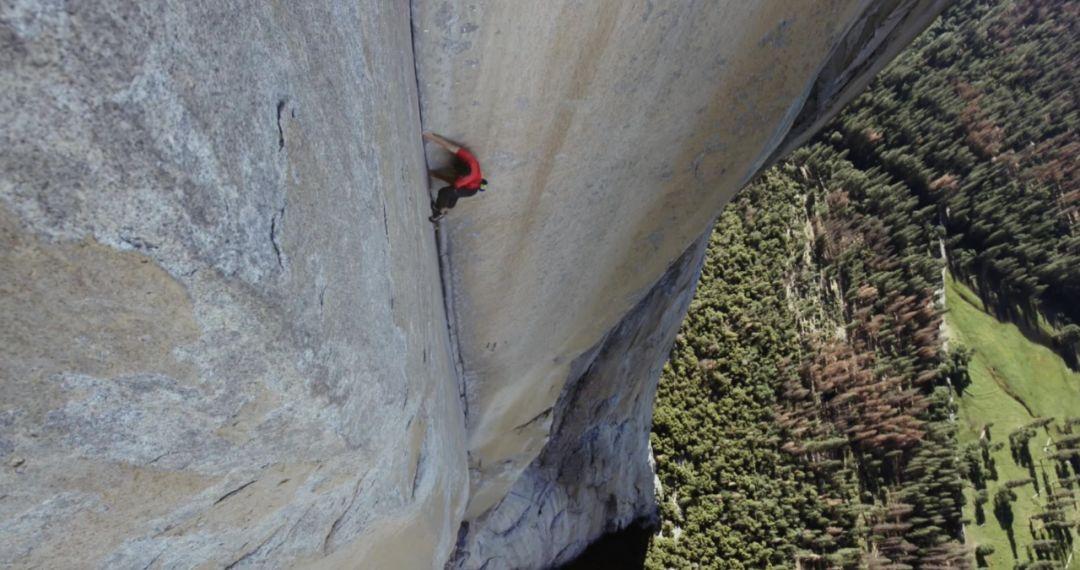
x: 223, y: 339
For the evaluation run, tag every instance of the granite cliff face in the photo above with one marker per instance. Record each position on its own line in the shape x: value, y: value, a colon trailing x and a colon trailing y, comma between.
x: 613, y: 133
x: 223, y: 335
x: 225, y: 338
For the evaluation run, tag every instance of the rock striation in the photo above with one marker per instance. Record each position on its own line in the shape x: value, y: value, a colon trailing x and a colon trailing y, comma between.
x: 230, y: 336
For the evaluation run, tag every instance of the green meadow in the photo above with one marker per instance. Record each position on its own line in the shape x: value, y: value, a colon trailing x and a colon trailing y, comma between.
x: 1014, y: 381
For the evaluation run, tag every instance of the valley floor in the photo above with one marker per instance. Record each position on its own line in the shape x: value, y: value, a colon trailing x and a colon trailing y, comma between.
x: 1013, y: 382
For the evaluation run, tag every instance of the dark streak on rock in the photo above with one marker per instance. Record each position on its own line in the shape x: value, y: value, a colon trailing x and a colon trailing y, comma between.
x: 138, y: 242
x: 235, y: 491
x: 462, y: 536
x: 280, y: 215
x: 253, y: 551
x: 566, y: 548
x: 539, y: 417
x: 555, y: 521
x: 385, y: 223
x: 154, y: 559
x: 341, y: 517
x: 418, y: 468
x: 280, y: 131
x: 520, y: 520
x: 155, y: 460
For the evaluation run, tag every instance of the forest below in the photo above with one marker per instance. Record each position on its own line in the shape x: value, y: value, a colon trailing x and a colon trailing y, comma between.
x: 879, y: 367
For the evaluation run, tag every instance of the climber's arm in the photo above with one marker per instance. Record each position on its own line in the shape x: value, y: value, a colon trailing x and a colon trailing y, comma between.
x: 453, y: 148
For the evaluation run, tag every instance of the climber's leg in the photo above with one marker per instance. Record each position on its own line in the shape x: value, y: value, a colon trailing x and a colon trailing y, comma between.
x: 436, y: 212
x: 446, y: 200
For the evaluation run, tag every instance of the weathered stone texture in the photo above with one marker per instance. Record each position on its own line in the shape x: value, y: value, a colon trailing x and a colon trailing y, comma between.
x: 223, y: 338
x: 222, y: 335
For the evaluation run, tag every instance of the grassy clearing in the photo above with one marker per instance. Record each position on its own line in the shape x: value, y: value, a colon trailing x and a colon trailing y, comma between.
x: 1013, y: 382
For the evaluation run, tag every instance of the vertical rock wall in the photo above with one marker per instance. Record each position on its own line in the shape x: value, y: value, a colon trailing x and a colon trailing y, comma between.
x: 224, y: 339
x: 612, y: 132
x: 222, y: 336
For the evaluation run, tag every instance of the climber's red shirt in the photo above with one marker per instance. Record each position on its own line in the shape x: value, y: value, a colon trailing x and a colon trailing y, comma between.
x: 470, y: 181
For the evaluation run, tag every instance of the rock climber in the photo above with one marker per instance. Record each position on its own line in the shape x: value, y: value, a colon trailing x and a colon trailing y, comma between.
x: 465, y: 185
